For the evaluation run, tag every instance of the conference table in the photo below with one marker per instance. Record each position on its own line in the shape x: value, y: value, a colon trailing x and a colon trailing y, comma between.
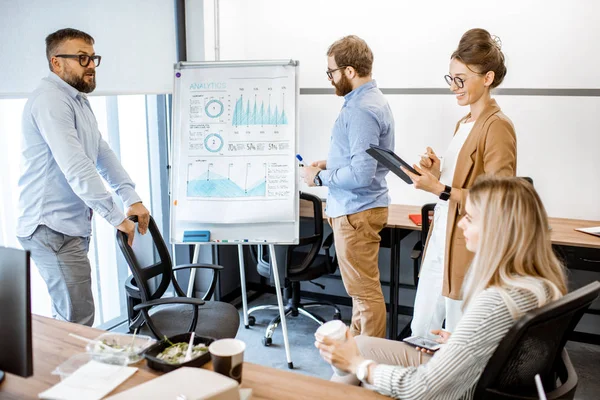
x: 563, y: 234
x: 52, y: 345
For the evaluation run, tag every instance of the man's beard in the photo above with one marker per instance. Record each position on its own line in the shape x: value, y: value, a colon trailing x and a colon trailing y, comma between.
x: 343, y: 87
x: 79, y: 83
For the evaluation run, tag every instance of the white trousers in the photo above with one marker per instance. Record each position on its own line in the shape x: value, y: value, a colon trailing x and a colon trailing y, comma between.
x: 431, y: 308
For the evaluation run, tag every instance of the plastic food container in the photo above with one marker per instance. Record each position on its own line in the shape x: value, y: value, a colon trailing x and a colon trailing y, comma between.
x: 119, y: 345
x: 79, y: 360
x: 160, y: 365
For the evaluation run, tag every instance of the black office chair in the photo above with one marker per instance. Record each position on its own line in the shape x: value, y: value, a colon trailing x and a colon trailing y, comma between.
x: 417, y: 251
x: 148, y: 284
x: 302, y: 263
x: 535, y: 345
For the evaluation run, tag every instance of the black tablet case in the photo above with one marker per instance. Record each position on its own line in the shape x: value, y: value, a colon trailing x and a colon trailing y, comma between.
x: 391, y: 161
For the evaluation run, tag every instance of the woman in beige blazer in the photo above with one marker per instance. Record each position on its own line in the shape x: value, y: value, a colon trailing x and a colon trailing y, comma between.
x: 484, y: 142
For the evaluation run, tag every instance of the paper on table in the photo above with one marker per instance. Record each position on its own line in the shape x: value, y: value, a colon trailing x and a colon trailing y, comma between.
x: 592, y: 231
x: 92, y: 381
x: 185, y: 382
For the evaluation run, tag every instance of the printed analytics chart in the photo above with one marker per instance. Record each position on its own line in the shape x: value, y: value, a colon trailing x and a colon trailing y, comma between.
x: 236, y: 144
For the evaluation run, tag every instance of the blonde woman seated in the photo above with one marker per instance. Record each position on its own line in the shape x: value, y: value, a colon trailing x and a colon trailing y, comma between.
x: 514, y: 271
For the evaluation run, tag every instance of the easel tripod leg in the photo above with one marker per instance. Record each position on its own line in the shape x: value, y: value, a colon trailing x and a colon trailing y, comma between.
x: 280, y: 304
x: 243, y: 282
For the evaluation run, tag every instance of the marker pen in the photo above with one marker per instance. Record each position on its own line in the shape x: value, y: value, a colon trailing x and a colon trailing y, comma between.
x: 299, y: 157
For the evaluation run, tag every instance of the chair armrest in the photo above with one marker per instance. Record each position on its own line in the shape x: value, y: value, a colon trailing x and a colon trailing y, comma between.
x: 415, y: 254
x: 216, y: 269
x: 328, y: 242
x: 417, y: 250
x: 205, y: 266
x: 331, y: 262
x: 169, y: 300
x: 568, y: 378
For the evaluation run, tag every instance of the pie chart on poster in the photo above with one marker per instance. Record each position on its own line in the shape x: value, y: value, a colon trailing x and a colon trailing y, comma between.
x: 214, y: 108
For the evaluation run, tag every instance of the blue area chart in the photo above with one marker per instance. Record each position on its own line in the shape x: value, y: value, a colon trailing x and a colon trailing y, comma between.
x: 252, y: 113
x: 211, y: 184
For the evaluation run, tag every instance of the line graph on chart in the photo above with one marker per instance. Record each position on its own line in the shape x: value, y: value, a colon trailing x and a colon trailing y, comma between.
x: 226, y: 179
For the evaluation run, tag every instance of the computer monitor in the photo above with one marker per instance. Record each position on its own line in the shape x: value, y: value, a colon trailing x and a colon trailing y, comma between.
x: 16, y: 355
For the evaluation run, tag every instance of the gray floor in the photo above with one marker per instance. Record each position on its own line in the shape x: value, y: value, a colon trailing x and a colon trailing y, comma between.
x: 306, y: 359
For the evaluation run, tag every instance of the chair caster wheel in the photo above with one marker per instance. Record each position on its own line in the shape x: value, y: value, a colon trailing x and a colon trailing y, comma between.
x: 337, y: 316
x: 267, y: 341
x: 251, y: 320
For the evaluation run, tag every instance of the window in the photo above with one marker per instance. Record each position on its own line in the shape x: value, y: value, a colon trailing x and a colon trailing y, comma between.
x: 125, y: 123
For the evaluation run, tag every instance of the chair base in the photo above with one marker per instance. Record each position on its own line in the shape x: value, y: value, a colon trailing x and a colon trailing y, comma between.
x: 293, y: 310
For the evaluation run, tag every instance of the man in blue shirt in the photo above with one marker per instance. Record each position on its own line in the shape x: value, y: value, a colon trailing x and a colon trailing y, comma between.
x: 63, y: 160
x: 357, y: 204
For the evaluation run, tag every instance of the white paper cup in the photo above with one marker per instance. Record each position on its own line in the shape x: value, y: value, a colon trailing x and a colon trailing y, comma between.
x: 334, y: 330
x: 228, y: 357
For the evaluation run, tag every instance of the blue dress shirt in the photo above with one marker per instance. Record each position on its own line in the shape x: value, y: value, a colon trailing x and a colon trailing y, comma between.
x: 63, y: 157
x: 356, y: 181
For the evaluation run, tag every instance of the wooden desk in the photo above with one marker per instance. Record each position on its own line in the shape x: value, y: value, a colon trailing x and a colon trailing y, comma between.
x: 397, y: 217
x: 52, y: 346
x: 563, y: 229
x: 563, y: 234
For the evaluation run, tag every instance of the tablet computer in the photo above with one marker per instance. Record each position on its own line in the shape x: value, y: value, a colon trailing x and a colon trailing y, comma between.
x: 392, y: 162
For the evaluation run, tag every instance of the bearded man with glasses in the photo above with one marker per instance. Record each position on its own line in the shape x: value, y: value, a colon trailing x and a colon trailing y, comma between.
x: 64, y: 159
x: 358, y: 200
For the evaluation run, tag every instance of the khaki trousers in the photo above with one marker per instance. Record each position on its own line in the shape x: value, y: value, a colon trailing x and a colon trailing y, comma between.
x: 387, y: 352
x: 357, y: 247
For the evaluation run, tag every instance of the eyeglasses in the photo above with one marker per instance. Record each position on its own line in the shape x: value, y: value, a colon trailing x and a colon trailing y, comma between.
x: 460, y: 82
x: 330, y: 72
x: 84, y: 59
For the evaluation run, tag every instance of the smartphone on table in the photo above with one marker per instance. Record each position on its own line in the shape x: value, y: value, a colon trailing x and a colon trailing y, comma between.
x: 424, y: 343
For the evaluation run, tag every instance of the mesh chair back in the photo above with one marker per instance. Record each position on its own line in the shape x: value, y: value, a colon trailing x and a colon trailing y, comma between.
x: 152, y: 278
x: 534, y: 345
x: 309, y: 244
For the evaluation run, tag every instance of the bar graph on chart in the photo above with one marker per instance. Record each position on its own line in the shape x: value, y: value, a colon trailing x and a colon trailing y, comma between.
x: 252, y: 111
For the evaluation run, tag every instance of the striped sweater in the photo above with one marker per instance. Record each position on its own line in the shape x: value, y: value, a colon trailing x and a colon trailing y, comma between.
x: 454, y: 370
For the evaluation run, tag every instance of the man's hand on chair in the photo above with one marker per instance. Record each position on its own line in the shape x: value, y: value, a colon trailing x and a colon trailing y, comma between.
x: 128, y: 227
x: 143, y: 215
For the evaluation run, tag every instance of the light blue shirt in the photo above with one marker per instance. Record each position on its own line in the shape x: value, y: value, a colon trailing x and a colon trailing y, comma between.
x: 356, y: 181
x: 63, y: 158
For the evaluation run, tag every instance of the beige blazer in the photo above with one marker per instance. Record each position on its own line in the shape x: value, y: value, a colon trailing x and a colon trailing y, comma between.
x: 490, y: 149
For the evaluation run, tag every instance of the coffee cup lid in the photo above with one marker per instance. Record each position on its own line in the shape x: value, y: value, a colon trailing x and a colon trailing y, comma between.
x: 226, y: 347
x: 331, y: 327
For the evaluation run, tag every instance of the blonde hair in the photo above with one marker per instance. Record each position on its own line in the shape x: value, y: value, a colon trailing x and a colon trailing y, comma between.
x: 514, y: 248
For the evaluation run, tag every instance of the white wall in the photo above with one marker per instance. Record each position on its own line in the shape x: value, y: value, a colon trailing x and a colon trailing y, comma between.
x: 136, y: 39
x: 548, y: 45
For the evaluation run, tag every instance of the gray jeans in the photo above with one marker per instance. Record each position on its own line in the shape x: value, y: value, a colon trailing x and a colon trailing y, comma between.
x: 63, y: 264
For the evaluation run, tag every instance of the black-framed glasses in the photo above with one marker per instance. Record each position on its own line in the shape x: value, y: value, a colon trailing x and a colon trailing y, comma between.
x: 330, y: 72
x: 457, y: 81
x: 460, y: 82
x: 84, y: 59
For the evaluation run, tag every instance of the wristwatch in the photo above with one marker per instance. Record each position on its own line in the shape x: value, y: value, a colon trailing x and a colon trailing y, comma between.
x: 445, y: 195
x: 317, y: 180
x: 362, y: 371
